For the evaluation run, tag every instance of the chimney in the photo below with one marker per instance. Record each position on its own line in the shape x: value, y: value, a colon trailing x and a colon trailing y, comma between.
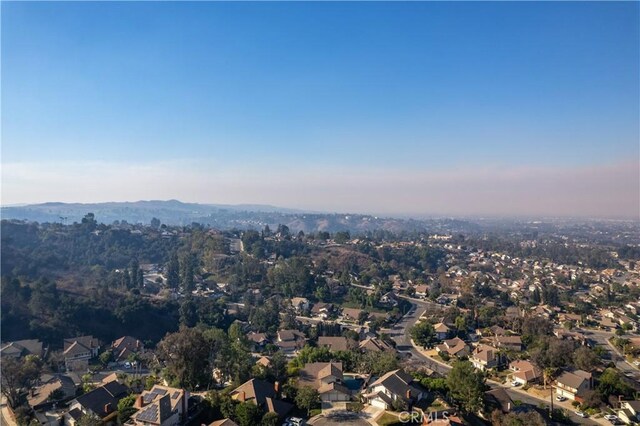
x: 139, y: 402
x: 241, y: 396
x: 276, y: 388
x: 107, y: 407
x: 408, y: 394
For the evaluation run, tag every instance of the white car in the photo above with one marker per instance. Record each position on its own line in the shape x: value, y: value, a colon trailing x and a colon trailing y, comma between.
x: 636, y: 363
x: 560, y: 398
x: 611, y: 417
x: 514, y: 383
x: 581, y: 414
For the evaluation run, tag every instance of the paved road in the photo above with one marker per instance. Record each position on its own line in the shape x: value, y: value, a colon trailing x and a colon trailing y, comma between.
x: 602, y: 339
x: 400, y: 334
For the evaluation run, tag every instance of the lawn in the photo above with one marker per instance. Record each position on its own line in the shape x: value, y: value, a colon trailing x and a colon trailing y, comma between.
x: 388, y: 419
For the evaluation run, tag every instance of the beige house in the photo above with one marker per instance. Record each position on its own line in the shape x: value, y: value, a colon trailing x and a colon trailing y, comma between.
x: 326, y: 378
x: 524, y: 372
x: 454, y: 347
x: 485, y: 357
x: 78, y: 351
x: 161, y: 406
x: 395, y: 387
x: 573, y: 385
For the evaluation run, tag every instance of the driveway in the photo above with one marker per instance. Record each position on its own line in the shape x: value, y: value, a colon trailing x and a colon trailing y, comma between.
x: 339, y: 418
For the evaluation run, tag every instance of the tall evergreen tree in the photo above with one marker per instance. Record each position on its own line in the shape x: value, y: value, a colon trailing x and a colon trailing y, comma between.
x: 173, y: 271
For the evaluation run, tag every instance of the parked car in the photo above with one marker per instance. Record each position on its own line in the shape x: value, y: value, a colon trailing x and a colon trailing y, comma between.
x: 514, y: 383
x: 560, y: 398
x: 612, y: 418
x: 581, y: 414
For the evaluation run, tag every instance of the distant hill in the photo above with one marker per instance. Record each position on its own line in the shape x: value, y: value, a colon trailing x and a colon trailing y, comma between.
x: 245, y: 216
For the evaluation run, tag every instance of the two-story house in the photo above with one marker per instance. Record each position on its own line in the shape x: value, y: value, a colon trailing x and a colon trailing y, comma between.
x: 395, y: 388
x: 327, y: 379
x: 574, y: 384
x: 78, y: 351
x: 161, y: 406
x: 485, y: 357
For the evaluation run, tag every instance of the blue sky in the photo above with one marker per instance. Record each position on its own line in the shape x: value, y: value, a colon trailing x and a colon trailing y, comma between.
x: 250, y: 96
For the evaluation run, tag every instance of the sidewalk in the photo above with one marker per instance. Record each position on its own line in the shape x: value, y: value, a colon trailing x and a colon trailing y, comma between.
x: 7, y: 416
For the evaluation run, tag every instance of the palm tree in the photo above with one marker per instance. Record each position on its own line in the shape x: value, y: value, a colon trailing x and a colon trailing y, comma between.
x: 548, y: 374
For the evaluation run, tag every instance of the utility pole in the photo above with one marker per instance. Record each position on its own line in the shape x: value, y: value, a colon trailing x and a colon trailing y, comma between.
x: 551, y: 406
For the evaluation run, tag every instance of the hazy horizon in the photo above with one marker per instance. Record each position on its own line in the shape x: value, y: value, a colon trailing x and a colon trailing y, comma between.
x: 416, y: 109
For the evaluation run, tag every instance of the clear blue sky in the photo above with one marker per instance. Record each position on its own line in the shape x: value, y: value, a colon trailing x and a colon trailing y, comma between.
x: 301, y: 86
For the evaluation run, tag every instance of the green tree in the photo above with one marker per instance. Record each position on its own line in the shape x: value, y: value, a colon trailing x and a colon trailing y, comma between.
x: 612, y: 383
x: 461, y: 325
x: 186, y: 356
x: 105, y: 358
x: 125, y: 408
x: 248, y: 414
x: 173, y: 271
x: 307, y: 398
x: 270, y: 419
x: 18, y: 376
x: 467, y: 386
x: 378, y: 363
x: 585, y: 359
x: 89, y: 420
x: 187, y: 276
x: 423, y: 334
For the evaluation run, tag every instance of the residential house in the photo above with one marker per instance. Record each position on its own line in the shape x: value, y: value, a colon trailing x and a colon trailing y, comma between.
x: 300, y: 304
x: 395, y: 388
x: 47, y: 386
x: 264, y: 394
x: 264, y: 362
x: 442, y: 331
x: 126, y: 346
x: 573, y: 385
x: 512, y: 343
x: 21, y: 348
x: 629, y: 411
x: 327, y: 379
x: 485, y: 357
x: 290, y: 341
x: 374, y: 344
x: 101, y: 402
x: 524, y: 372
x: 454, y: 347
x: 161, y: 406
x: 421, y: 291
x: 322, y: 310
x: 389, y: 299
x: 78, y: 351
x: 257, y: 340
x: 336, y: 343
x: 352, y: 314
